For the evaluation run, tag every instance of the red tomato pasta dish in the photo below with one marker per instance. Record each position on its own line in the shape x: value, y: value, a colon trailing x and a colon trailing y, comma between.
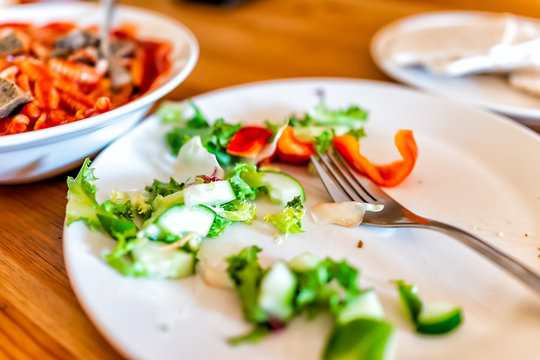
x: 58, y: 73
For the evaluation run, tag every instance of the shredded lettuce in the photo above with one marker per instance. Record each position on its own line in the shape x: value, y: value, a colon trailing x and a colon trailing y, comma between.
x: 236, y: 210
x: 172, y: 112
x: 246, y: 181
x: 163, y: 188
x: 353, y: 116
x: 323, y: 142
x: 289, y: 220
x: 246, y: 274
x: 82, y: 197
x: 137, y: 199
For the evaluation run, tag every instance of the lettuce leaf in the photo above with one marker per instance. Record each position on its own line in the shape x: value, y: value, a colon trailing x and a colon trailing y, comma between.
x: 81, y: 197
x: 289, y: 220
x: 236, y: 210
x: 246, y: 274
x: 246, y: 181
x: 353, y: 116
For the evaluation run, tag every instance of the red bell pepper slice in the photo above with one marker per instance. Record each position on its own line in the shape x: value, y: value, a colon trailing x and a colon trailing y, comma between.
x: 291, y: 150
x: 248, y: 141
x: 384, y: 175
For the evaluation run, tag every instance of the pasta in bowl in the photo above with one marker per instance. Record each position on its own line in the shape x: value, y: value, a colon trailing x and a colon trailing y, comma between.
x: 67, y: 100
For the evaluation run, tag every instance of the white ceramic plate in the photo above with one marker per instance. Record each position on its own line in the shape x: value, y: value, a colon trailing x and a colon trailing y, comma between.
x: 474, y: 170
x: 491, y: 92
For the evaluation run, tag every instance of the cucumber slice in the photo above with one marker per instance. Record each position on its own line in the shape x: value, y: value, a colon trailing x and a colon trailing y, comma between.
x: 214, y: 193
x: 366, y: 305
x: 282, y: 187
x: 304, y: 262
x: 169, y: 264
x: 410, y: 302
x: 366, y: 339
x: 178, y: 221
x: 438, y: 318
x: 277, y: 291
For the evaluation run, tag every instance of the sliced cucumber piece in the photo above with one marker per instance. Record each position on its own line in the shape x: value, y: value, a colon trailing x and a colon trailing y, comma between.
x: 366, y: 339
x: 214, y: 193
x: 366, y: 305
x: 438, y: 318
x: 282, y: 187
x: 408, y: 296
x: 304, y: 262
x: 168, y: 264
x: 277, y: 291
x: 178, y: 221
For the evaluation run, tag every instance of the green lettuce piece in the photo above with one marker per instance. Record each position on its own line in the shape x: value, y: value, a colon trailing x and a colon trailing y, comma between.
x: 82, y: 197
x: 236, y: 210
x: 172, y: 112
x: 357, y: 133
x: 163, y: 188
x: 116, y: 221
x: 323, y: 142
x: 289, y: 220
x: 219, y: 226
x: 137, y: 199
x: 121, y: 260
x: 366, y: 339
x: 304, y: 121
x: 246, y: 274
x: 329, y: 286
x: 353, y: 116
x: 246, y: 181
x: 215, y: 138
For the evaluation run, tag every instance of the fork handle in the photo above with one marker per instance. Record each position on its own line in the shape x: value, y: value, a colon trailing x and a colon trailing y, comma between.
x: 508, y: 263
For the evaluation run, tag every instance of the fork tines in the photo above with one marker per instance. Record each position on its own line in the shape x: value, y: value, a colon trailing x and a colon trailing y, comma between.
x: 341, y: 182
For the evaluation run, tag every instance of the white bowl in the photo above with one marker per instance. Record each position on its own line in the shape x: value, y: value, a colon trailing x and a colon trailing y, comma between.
x: 37, y: 155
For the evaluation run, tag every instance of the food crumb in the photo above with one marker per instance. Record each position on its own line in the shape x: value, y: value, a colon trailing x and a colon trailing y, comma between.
x: 360, y: 244
x: 526, y: 235
x: 420, y: 182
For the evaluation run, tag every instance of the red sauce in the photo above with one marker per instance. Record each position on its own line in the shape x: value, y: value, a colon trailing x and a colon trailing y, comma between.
x: 70, y: 83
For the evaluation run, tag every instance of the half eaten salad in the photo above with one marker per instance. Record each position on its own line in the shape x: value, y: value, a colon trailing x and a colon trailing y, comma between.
x: 216, y: 179
x: 218, y: 176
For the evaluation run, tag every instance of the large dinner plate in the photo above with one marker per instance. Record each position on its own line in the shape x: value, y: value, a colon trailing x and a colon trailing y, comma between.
x: 492, y: 92
x: 475, y: 170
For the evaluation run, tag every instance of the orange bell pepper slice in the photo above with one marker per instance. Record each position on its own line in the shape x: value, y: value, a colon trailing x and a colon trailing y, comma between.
x: 291, y: 150
x: 388, y: 175
x: 248, y: 141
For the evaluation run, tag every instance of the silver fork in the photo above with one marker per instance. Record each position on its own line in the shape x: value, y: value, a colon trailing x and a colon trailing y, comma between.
x: 343, y: 184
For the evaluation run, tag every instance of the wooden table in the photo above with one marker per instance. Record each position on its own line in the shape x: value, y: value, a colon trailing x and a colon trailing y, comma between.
x: 40, y: 318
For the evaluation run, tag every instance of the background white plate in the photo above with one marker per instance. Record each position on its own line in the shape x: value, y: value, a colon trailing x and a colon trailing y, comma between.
x: 474, y: 170
x: 492, y: 92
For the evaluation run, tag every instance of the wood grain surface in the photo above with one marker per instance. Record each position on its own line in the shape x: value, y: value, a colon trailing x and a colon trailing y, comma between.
x: 40, y: 318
